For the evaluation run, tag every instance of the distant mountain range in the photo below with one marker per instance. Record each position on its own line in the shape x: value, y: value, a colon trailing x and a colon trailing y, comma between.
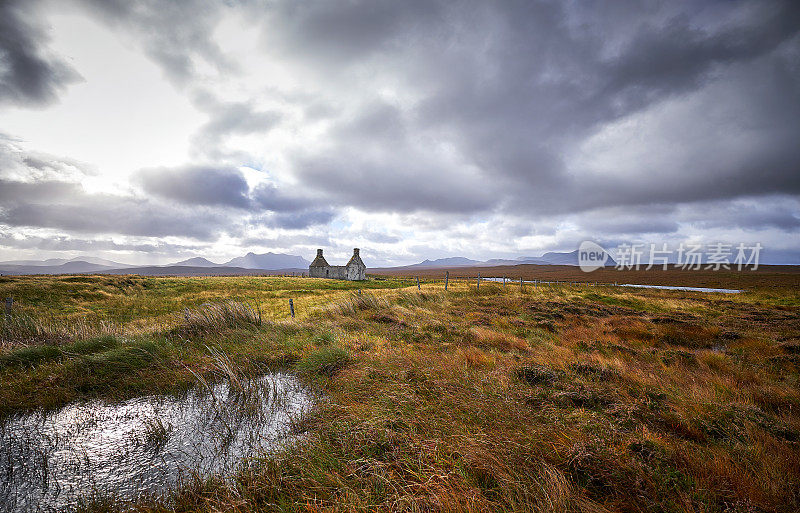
x: 251, y: 263
x: 550, y: 258
x: 61, y: 261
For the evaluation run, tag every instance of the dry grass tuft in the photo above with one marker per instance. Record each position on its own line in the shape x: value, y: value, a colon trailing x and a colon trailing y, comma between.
x: 474, y: 357
x: 485, y: 337
x: 22, y: 329
x: 217, y: 317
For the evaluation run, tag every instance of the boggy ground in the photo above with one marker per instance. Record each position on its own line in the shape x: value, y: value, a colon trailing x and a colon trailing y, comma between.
x: 765, y: 276
x: 550, y: 399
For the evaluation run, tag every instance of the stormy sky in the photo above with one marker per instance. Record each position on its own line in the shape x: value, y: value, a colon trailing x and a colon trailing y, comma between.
x: 152, y: 131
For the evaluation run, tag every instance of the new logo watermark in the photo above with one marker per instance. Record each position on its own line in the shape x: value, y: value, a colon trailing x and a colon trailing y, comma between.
x: 591, y: 256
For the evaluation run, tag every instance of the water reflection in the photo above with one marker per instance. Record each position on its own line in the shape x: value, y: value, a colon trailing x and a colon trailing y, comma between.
x: 50, y: 459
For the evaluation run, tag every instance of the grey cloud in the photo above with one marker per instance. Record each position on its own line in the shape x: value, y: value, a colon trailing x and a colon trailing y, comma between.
x: 669, y: 59
x: 625, y: 223
x: 381, y: 238
x: 299, y: 220
x: 15, y: 192
x: 66, y: 206
x: 512, y: 87
x: 222, y: 186
x: 65, y: 243
x: 197, y: 185
x: 239, y: 118
x: 14, y: 158
x: 177, y: 35
x: 288, y: 240
x: 199, y: 202
x: 269, y: 197
x: 336, y: 34
x: 751, y: 151
x: 29, y: 74
x: 373, y: 183
x: 229, y: 118
x: 771, y: 212
x: 377, y: 164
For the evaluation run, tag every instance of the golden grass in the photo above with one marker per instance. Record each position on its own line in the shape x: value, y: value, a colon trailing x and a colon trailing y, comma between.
x: 485, y: 337
x: 571, y: 399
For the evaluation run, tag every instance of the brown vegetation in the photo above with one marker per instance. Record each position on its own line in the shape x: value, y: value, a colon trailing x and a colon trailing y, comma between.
x: 781, y: 276
x: 552, y: 399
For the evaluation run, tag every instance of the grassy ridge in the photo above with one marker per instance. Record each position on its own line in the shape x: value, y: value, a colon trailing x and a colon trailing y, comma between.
x: 554, y: 399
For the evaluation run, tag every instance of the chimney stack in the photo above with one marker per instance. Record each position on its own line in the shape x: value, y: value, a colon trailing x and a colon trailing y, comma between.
x: 355, y: 251
x: 319, y: 252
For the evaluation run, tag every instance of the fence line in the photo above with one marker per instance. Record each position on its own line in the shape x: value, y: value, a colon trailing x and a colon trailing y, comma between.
x: 418, y: 281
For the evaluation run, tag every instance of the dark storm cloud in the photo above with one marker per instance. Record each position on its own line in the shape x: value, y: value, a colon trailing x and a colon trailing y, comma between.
x: 369, y: 181
x: 379, y: 163
x: 226, y: 187
x: 339, y: 33
x: 29, y: 74
x: 512, y: 87
x: 775, y: 212
x: 677, y: 56
x: 197, y: 185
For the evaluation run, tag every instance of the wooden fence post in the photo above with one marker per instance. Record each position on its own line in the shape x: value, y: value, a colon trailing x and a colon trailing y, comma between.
x: 9, y: 304
x: 479, y: 281
x: 520, y: 283
x: 504, y: 283
x: 418, y: 283
x: 291, y: 307
x: 446, y: 279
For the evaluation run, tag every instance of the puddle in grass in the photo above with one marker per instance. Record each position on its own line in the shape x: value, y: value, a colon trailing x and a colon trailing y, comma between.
x: 48, y: 460
x: 690, y: 289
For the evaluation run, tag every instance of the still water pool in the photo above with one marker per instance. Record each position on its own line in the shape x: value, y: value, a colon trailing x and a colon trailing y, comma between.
x: 50, y: 459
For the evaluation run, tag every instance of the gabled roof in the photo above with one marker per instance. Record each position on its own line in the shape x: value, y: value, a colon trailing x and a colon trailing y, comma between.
x: 319, y: 261
x: 355, y: 260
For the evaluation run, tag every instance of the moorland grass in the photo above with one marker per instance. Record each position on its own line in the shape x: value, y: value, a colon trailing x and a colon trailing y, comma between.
x: 557, y: 398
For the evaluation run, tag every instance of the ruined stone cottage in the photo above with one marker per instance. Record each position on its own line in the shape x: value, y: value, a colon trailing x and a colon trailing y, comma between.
x: 354, y: 270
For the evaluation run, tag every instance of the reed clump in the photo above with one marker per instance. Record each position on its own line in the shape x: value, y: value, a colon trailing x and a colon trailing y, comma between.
x: 218, y: 317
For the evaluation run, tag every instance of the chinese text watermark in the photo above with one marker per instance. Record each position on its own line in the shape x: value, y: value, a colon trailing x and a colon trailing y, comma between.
x: 717, y: 256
